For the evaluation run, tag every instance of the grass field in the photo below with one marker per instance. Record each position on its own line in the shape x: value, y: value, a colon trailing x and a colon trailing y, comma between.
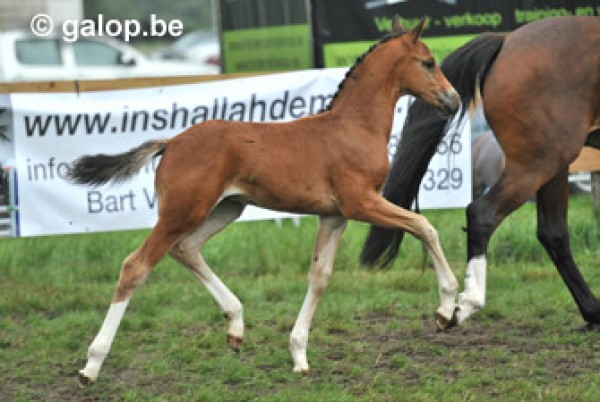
x: 373, y: 335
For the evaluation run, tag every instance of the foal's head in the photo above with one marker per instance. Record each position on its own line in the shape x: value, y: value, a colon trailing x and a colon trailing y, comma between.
x: 419, y: 73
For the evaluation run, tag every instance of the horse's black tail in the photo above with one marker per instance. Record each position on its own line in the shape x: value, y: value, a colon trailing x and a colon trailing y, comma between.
x: 100, y: 169
x: 466, y: 69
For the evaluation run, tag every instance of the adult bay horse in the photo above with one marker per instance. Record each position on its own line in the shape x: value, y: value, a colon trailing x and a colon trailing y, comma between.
x: 331, y: 165
x: 540, y: 87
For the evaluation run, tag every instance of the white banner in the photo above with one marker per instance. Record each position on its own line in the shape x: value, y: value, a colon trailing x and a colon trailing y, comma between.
x: 51, y: 130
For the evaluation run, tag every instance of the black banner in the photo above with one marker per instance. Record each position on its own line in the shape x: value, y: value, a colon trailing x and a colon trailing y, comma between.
x: 341, y: 21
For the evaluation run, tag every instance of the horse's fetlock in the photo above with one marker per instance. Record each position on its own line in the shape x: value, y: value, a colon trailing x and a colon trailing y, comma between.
x: 98, y: 350
x: 477, y: 304
x: 233, y: 312
x: 298, y: 340
x: 474, y: 302
x: 237, y: 310
x: 450, y: 289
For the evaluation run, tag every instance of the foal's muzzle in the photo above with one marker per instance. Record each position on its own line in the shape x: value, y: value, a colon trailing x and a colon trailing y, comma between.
x: 449, y: 102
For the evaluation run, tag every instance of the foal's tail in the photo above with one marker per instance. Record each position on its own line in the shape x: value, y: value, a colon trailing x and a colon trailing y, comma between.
x: 466, y: 69
x: 100, y: 169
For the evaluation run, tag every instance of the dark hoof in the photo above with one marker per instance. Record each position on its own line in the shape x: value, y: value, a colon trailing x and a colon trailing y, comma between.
x: 234, y: 342
x: 84, y: 381
x: 592, y: 326
x: 443, y: 323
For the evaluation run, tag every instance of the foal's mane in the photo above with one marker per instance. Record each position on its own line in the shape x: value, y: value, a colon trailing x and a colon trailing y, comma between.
x: 358, y: 61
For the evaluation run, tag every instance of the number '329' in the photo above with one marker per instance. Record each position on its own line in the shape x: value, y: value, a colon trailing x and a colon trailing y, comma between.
x: 442, y: 179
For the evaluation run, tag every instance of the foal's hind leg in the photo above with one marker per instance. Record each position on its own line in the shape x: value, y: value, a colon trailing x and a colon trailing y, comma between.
x: 330, y: 231
x: 552, y: 202
x: 134, y: 271
x: 187, y: 250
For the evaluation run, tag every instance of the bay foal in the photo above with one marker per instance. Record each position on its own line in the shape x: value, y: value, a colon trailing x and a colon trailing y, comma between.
x: 331, y: 165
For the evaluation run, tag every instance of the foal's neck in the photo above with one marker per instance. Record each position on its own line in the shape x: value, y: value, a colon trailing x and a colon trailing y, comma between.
x: 369, y: 94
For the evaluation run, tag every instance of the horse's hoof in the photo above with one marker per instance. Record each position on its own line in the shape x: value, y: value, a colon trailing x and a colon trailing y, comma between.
x: 443, y: 323
x: 592, y: 326
x: 234, y: 342
x: 83, y: 381
x: 304, y: 372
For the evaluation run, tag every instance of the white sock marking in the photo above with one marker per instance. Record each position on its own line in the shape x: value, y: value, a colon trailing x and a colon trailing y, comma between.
x: 473, y: 298
x: 102, y: 342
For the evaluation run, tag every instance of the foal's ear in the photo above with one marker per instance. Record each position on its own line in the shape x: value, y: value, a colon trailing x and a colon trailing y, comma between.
x: 397, y: 25
x: 418, y: 30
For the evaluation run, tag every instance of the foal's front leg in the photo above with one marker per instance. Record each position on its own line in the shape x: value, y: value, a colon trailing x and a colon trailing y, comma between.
x: 330, y: 231
x: 375, y: 209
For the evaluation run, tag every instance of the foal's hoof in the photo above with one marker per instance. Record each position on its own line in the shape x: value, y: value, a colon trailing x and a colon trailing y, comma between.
x: 304, y: 372
x: 443, y: 323
x: 84, y: 381
x: 234, y: 342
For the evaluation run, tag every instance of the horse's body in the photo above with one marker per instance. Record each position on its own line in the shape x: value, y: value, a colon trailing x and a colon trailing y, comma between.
x: 331, y: 165
x: 540, y: 87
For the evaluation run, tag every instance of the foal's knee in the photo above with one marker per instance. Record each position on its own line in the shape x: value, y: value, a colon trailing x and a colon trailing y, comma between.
x: 425, y: 230
x: 98, y: 349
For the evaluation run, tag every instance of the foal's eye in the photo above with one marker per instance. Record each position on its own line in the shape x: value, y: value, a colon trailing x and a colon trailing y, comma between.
x: 429, y: 64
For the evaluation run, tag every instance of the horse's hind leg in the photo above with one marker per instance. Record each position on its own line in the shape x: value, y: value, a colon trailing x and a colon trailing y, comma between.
x: 516, y: 185
x: 552, y: 202
x: 330, y: 231
x: 134, y: 271
x: 186, y: 251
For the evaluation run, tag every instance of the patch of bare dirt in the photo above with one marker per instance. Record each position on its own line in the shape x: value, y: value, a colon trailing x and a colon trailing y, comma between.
x: 482, y: 346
